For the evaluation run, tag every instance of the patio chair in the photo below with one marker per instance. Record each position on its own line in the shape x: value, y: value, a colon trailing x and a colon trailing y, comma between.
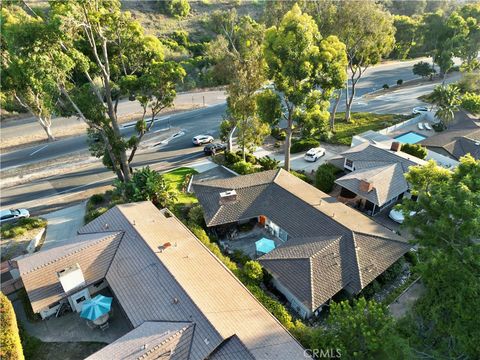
x: 105, y: 326
x: 427, y: 126
x: 420, y: 126
x: 91, y: 325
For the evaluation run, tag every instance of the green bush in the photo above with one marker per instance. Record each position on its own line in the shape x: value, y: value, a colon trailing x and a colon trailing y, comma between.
x: 239, y: 257
x: 471, y: 103
x: 248, y: 157
x: 325, y: 177
x: 278, y: 134
x: 93, y: 214
x: 385, y: 86
x: 412, y: 257
x: 253, y: 271
x: 416, y: 150
x: 392, y: 272
x: 371, y: 289
x: 11, y: 346
x: 243, y: 168
x: 268, y: 163
x: 303, y: 144
x: 96, y: 199
x: 399, y: 82
x: 195, y: 214
x: 176, y: 8
x: 439, y: 127
x: 180, y: 37
x: 300, y: 175
x: 232, y: 158
x: 21, y: 227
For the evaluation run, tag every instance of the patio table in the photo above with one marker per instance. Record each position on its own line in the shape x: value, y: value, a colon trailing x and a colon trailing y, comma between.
x: 101, y: 320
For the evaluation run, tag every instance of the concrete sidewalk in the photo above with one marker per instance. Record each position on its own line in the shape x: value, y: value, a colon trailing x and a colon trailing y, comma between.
x: 63, y: 225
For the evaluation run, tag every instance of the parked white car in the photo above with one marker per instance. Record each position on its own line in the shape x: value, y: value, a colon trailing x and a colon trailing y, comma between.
x: 12, y: 215
x: 314, y: 154
x: 420, y: 110
x: 397, y: 215
x: 202, y: 139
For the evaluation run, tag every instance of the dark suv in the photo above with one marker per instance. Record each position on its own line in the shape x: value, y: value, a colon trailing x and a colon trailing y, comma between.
x: 214, y: 148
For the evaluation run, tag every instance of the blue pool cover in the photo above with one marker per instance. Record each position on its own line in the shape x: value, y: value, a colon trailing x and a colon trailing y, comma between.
x: 410, y: 137
x: 264, y: 245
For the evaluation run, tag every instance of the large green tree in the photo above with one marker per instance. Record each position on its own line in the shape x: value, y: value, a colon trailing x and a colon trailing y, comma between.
x: 33, y: 64
x: 406, y: 35
x: 113, y: 56
x: 446, y: 228
x: 447, y: 99
x: 299, y: 63
x: 367, y: 31
x: 362, y: 330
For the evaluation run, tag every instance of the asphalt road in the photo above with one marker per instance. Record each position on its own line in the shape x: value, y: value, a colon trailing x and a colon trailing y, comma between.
x: 179, y: 151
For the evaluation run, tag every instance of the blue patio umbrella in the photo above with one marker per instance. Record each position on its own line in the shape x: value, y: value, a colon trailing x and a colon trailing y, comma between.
x: 264, y: 245
x: 94, y: 308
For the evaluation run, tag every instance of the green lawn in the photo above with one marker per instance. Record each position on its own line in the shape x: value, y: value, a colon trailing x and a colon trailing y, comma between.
x: 361, y: 123
x: 177, y: 180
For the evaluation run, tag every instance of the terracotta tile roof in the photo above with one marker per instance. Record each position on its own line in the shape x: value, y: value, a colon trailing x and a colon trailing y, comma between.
x: 315, y: 222
x: 92, y: 252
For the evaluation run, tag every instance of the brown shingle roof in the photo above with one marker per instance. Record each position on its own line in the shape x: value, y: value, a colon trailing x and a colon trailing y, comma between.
x: 93, y: 252
x: 151, y: 340
x: 388, y: 182
x: 186, y: 282
x: 314, y: 221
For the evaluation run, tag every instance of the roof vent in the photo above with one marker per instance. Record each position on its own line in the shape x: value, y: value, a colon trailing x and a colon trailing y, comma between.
x: 144, y: 346
x: 365, y: 186
x: 164, y: 246
x: 206, y: 341
x: 395, y: 146
x: 105, y: 226
x: 175, y: 301
x: 228, y: 197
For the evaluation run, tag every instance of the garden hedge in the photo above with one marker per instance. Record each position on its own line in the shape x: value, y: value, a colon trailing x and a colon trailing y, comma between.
x: 10, y: 345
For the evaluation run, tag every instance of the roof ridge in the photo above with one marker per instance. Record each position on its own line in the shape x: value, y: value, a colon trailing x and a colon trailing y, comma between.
x: 380, y: 237
x: 357, y: 262
x: 166, y: 340
x: 89, y: 243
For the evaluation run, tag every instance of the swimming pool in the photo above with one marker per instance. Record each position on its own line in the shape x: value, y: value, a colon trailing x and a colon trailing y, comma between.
x: 410, y: 137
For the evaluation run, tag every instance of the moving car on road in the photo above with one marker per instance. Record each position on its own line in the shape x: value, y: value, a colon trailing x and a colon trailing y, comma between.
x: 420, y: 110
x: 314, y: 154
x: 214, y: 148
x: 202, y: 139
x: 12, y: 215
x: 397, y: 215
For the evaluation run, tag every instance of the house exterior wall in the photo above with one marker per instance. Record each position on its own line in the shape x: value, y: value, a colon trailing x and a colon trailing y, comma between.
x: 296, y: 304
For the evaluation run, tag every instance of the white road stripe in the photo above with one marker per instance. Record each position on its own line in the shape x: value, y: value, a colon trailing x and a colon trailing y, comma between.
x: 36, y: 151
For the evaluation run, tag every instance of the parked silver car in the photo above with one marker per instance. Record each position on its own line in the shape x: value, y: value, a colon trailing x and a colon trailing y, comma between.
x: 11, y: 215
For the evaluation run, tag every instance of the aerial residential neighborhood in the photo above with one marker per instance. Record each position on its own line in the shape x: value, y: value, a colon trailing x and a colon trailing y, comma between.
x: 240, y: 179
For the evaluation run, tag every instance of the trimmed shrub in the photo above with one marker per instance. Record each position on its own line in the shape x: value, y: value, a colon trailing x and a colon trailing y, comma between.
x: 439, y: 127
x: 195, y: 214
x: 239, y: 257
x: 416, y: 150
x: 94, y: 213
x: 248, y: 157
x: 300, y: 176
x: 471, y: 103
x: 325, y: 177
x: 232, y: 158
x: 96, y: 199
x: 385, y: 86
x: 399, y: 82
x: 243, y: 168
x: 11, y: 347
x: 253, y: 271
x: 268, y: 163
x: 278, y: 134
x: 303, y: 144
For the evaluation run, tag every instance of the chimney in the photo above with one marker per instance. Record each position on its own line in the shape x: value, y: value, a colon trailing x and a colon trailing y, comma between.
x: 396, y: 146
x: 365, y: 186
x: 228, y: 197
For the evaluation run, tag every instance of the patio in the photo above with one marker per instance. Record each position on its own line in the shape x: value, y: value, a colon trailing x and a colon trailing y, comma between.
x: 245, y: 241
x: 70, y: 327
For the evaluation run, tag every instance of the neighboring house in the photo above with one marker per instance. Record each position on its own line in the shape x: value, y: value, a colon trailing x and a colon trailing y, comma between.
x: 327, y: 246
x: 180, y: 300
x: 377, y: 175
x: 457, y: 140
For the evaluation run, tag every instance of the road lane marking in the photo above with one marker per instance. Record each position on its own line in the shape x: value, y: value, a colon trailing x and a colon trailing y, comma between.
x: 36, y: 151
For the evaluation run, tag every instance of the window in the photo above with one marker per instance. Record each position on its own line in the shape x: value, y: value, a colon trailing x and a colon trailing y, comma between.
x: 80, y: 299
x: 349, y: 164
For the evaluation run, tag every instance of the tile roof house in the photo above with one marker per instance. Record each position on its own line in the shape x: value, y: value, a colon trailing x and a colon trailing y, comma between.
x: 181, y: 301
x: 327, y: 245
x: 376, y: 178
x: 457, y: 140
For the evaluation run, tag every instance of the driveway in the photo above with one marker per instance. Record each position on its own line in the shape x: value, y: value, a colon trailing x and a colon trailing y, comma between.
x: 297, y: 162
x: 63, y: 225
